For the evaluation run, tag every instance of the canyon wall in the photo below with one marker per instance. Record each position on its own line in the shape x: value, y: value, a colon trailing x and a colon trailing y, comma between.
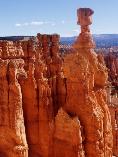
x: 52, y: 106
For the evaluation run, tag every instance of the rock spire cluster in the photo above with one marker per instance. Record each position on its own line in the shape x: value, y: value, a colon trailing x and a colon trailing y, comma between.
x: 52, y: 106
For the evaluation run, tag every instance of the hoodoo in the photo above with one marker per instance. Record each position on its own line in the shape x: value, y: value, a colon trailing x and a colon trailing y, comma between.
x: 86, y: 78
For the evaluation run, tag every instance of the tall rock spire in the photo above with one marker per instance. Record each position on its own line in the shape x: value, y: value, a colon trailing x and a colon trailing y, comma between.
x: 86, y: 78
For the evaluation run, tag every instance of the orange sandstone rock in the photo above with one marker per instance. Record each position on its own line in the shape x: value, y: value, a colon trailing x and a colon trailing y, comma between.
x: 12, y: 130
x: 86, y: 97
x: 50, y: 107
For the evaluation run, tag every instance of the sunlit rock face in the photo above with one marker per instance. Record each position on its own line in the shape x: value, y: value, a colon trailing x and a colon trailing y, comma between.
x: 86, y: 77
x: 12, y: 129
x: 52, y: 106
x: 32, y: 92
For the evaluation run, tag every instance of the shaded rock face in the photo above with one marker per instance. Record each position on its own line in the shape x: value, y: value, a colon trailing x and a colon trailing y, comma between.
x: 111, y: 61
x: 54, y: 107
x: 114, y: 118
x: 112, y: 64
